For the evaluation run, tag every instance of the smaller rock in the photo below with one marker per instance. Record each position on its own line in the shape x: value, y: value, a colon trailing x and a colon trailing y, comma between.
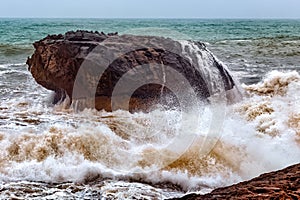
x: 282, y: 184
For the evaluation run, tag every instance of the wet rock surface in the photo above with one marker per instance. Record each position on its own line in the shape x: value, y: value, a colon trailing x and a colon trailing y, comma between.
x: 89, y: 65
x: 282, y: 184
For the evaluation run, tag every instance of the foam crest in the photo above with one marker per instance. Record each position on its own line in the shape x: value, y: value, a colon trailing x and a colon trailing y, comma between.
x: 56, y: 144
x: 275, y: 83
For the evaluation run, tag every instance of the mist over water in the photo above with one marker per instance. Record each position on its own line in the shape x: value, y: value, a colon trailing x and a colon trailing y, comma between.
x: 57, y: 152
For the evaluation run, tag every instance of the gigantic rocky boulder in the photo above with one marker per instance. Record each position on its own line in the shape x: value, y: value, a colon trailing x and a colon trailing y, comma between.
x: 89, y: 66
x: 282, y: 184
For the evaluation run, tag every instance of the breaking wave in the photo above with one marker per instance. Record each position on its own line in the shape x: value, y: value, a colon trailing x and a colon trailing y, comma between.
x: 56, y: 145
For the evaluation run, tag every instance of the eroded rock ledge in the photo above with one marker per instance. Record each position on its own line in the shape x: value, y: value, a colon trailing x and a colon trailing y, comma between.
x: 58, y: 59
x: 282, y: 184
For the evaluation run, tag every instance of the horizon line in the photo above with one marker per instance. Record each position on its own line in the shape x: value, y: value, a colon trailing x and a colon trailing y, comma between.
x: 233, y: 18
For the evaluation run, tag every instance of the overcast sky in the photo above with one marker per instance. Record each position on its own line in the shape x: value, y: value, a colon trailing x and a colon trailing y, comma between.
x: 151, y: 8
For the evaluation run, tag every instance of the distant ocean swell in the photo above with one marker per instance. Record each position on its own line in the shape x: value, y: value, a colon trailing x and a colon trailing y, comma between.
x: 12, y: 50
x: 283, y: 42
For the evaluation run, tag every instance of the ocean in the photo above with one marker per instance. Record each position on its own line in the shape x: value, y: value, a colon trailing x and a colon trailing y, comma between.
x: 55, y: 152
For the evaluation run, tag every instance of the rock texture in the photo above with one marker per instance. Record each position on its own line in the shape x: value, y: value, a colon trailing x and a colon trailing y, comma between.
x: 282, y: 184
x: 88, y: 65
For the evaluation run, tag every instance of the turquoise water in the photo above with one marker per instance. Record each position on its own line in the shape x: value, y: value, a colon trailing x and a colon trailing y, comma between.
x: 24, y: 31
x: 249, y: 47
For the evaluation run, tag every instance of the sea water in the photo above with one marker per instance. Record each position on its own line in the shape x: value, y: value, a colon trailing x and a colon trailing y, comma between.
x: 53, y: 151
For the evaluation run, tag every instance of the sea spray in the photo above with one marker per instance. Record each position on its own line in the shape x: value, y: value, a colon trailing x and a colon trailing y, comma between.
x: 238, y: 151
x: 257, y: 131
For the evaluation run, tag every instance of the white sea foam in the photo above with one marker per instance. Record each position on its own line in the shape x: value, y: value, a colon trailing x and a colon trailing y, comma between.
x: 4, y: 66
x: 53, y: 144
